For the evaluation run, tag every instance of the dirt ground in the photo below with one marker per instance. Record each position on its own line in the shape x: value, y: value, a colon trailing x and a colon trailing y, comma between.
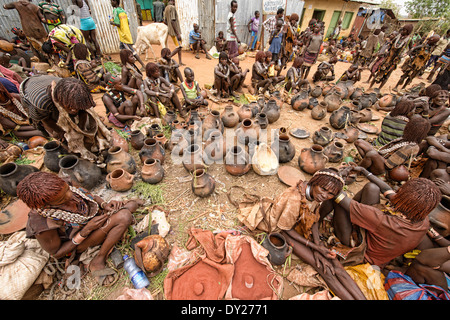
x: 185, y: 210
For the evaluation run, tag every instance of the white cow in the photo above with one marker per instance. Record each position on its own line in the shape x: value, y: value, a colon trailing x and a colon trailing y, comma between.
x: 154, y: 33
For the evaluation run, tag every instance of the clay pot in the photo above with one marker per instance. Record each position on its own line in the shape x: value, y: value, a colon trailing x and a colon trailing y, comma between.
x: 340, y: 118
x: 118, y: 158
x: 193, y: 158
x: 215, y: 147
x: 117, y: 140
x: 357, y: 93
x: 356, y: 105
x: 11, y: 174
x: 319, y: 111
x: 278, y: 248
x: 247, y: 131
x: 212, y: 122
x: 333, y: 101
x: 194, y: 116
x: 82, y: 173
x: 169, y: 118
x: 120, y: 180
x: 229, y: 117
x: 152, y: 149
x: 264, y: 160
x: 261, y: 102
x: 255, y: 108
x: 272, y: 110
x: 440, y: 217
x: 386, y: 101
x: 177, y: 143
x: 36, y: 141
x: 365, y: 101
x: 355, y: 117
x: 312, y: 159
x: 284, y: 149
x: 237, y: 161
x: 334, y: 152
x: 366, y: 115
x: 352, y: 134
x: 137, y: 139
x: 327, y: 89
x: 161, y: 138
x: 261, y: 119
x: 323, y: 136
x: 11, y: 151
x: 244, y: 112
x: 153, y: 130
x: 151, y: 254
x: 398, y: 174
x: 53, y: 153
x: 202, y: 184
x: 300, y: 101
x: 152, y: 171
x: 316, y: 92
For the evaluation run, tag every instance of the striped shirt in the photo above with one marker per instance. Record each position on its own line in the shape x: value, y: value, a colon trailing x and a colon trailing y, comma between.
x: 35, y: 97
x: 402, y: 156
x: 391, y: 129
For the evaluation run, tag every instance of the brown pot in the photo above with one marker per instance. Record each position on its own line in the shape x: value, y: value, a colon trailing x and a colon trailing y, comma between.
x: 211, y: 123
x: 247, y: 131
x: 193, y: 158
x: 137, y: 139
x: 237, y: 162
x: 333, y: 101
x: 284, y: 148
x: 229, y: 117
x: 272, y: 110
x: 118, y: 141
x: 118, y: 158
x: 152, y: 149
x: 323, y: 136
x: 366, y: 115
x: 152, y: 171
x: 202, y: 184
x: 399, y: 173
x: 340, y: 117
x: 316, y: 91
x: 334, y: 152
x: 161, y: 138
x: 261, y: 119
x: 320, y: 111
x: 169, y: 118
x: 300, y: 101
x: 215, y: 148
x: 352, y: 134
x: 386, y: 101
x: 244, y: 112
x: 120, y: 180
x: 36, y: 141
x: 177, y: 143
x: 312, y: 159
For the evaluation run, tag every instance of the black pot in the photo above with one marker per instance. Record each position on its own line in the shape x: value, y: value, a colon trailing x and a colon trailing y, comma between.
x: 11, y: 174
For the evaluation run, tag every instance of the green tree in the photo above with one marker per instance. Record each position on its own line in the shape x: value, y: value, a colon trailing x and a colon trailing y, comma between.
x: 428, y: 8
x: 390, y: 4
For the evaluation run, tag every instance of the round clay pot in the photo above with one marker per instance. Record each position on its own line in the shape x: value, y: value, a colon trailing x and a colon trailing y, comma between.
x: 334, y: 151
x: 118, y: 158
x: 272, y: 110
x: 137, y: 139
x: 202, y: 184
x: 284, y: 148
x: 357, y: 93
x: 319, y: 111
x: 161, y: 138
x: 278, y: 248
x: 312, y: 159
x: 262, y: 120
x: 333, y: 101
x: 193, y: 158
x: 53, y: 153
x: 244, y: 112
x: 82, y: 173
x: 36, y: 141
x: 177, y: 143
x: 212, y: 122
x: 366, y: 115
x: 11, y: 174
x: 117, y: 140
x: 169, y: 118
x: 352, y: 134
x: 153, y: 130
x: 237, y: 161
x: 355, y: 116
x: 264, y: 159
x: 398, y: 174
x: 300, y: 101
x: 323, y: 136
x: 340, y: 118
x: 247, y: 131
x: 152, y: 171
x: 386, y: 101
x: 229, y: 117
x: 215, y: 147
x: 152, y: 149
x: 120, y: 180
x: 365, y: 101
x: 316, y: 91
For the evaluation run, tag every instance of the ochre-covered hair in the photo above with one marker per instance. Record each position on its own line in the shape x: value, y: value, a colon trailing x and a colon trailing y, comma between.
x: 329, y: 179
x: 260, y: 55
x: 72, y: 93
x: 416, y: 198
x: 39, y: 188
x: 403, y: 108
x: 124, y: 55
x: 416, y: 129
x: 150, y: 68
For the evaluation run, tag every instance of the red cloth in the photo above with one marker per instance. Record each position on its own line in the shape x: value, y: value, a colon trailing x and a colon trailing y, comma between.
x: 11, y: 76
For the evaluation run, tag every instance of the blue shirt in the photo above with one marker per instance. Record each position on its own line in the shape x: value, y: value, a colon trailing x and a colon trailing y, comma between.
x: 193, y: 34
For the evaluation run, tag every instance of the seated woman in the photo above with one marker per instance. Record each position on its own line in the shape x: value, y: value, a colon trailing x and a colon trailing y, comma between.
x: 394, y: 122
x: 437, y: 111
x: 160, y: 91
x: 14, y: 117
x: 190, y: 88
x: 396, y: 153
x: 222, y: 76
x: 294, y: 80
x: 87, y: 71
x: 118, y: 109
x: 352, y: 74
x: 302, y: 233
x: 131, y: 75
x: 66, y: 220
x: 325, y: 70
x: 260, y: 78
x: 436, y: 151
x: 168, y: 67
x: 387, y: 230
x: 237, y: 77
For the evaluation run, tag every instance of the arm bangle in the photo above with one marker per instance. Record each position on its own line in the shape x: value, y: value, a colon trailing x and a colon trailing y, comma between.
x: 101, y: 205
x: 388, y: 192
x: 77, y: 239
x: 339, y: 197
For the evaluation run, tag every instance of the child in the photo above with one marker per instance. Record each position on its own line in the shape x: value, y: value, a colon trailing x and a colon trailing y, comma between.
x: 222, y: 76
x: 294, y: 76
x: 260, y: 77
x: 353, y: 73
x: 275, y: 41
x: 191, y: 91
x: 5, y: 61
x: 253, y: 27
x: 270, y: 64
x: 237, y: 77
x: 168, y: 67
x: 221, y: 42
x: 324, y: 69
x: 131, y: 75
x: 86, y: 70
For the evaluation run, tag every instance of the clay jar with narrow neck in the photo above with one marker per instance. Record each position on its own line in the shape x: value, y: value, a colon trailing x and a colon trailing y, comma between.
x: 202, y: 184
x: 137, y: 139
x: 82, y: 173
x: 312, y: 159
x: 152, y: 149
x: 53, y: 153
x: 261, y: 119
x: 211, y: 123
x: 245, y: 112
x: 319, y: 111
x: 333, y: 101
x: 11, y: 174
x: 169, y: 118
x: 120, y: 180
x: 118, y: 158
x: 229, y: 117
x: 278, y: 248
x: 323, y: 136
x: 247, y: 131
x: 117, y: 140
x: 272, y: 110
x: 193, y: 158
x: 300, y: 101
x: 340, y: 117
x: 152, y: 171
x: 237, y: 162
x: 334, y: 151
x: 283, y: 148
x: 215, y: 147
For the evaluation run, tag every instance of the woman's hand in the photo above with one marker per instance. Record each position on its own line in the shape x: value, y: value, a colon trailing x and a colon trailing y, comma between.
x: 323, y: 263
x: 113, y: 206
x: 93, y: 224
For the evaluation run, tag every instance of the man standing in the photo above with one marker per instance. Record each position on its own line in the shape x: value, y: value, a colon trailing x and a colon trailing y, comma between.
x: 53, y: 14
x: 158, y: 11
x: 31, y: 19
x: 172, y: 21
x: 271, y: 24
x: 232, y: 38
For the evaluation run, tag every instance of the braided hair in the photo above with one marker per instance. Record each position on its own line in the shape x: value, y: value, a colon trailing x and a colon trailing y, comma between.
x: 72, y: 93
x: 328, y: 179
x: 80, y: 51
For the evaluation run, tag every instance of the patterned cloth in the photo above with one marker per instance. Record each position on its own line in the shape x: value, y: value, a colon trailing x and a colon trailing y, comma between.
x: 401, y: 287
x: 391, y: 129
